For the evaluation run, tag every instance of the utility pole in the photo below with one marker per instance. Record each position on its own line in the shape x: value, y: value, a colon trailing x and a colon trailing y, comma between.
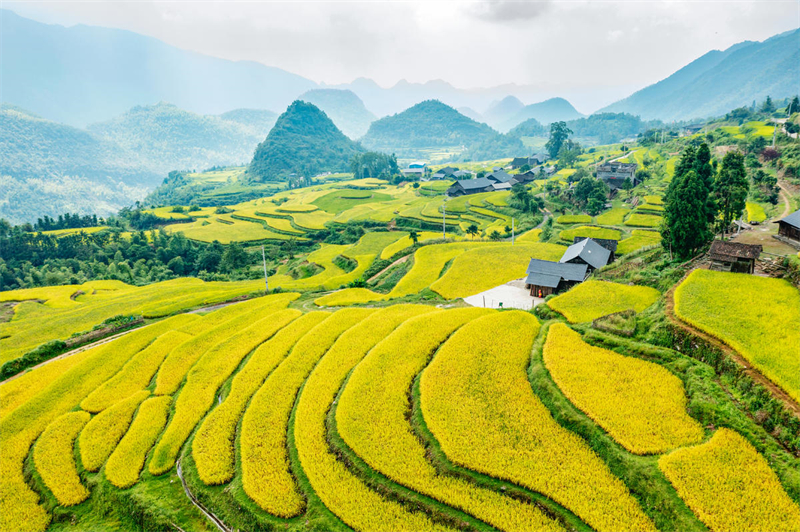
x: 264, y: 260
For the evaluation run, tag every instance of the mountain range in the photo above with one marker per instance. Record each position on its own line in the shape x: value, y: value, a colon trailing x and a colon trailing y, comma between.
x: 719, y: 81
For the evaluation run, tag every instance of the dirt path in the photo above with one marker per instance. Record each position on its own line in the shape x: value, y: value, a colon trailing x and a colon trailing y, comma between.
x: 623, y: 156
x: 70, y: 353
x: 398, y: 261
x: 211, y: 517
x: 756, y: 375
x: 787, y: 210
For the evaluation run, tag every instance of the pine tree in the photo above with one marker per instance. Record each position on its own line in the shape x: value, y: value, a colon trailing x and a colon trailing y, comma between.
x: 685, y: 229
x: 702, y: 166
x: 731, y: 188
x: 794, y: 106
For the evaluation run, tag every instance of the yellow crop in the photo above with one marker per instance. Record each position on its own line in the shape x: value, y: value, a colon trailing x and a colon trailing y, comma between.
x: 613, y: 216
x: 101, y: 435
x: 483, y: 268
x: 428, y: 264
x: 730, y: 486
x: 406, y: 242
x: 755, y: 212
x: 371, y: 418
x: 55, y: 461
x: 590, y: 232
x: 478, y: 403
x: 348, y: 296
x: 213, y: 445
x: 136, y: 374
x: 643, y: 220
x: 530, y: 236
x: 34, y: 324
x: 592, y: 299
x: 641, y: 404
x: 574, y: 219
x: 639, y: 238
x: 265, y: 461
x: 205, y: 378
x: 757, y: 316
x: 340, y: 490
x: 126, y: 462
x: 19, y: 508
x: 222, y: 322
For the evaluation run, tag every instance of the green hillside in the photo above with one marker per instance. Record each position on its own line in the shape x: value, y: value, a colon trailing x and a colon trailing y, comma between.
x: 167, y: 137
x: 305, y: 142
x: 721, y: 80
x: 432, y: 125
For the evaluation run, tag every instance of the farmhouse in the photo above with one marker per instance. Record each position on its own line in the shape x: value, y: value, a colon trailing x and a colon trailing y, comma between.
x: 413, y: 172
x: 615, y: 174
x: 586, y: 255
x: 462, y: 174
x: 789, y: 227
x: 609, y: 244
x: 470, y: 186
x: 545, y: 277
x: 447, y: 172
x: 499, y: 176
x: 532, y: 161
x: 733, y: 257
x: 588, y: 252
x: 525, y: 177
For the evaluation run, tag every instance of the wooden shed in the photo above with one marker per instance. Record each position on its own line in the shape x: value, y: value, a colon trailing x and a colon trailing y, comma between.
x: 789, y: 227
x: 733, y: 256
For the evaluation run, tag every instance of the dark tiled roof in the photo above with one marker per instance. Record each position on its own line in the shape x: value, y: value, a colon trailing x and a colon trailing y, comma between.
x: 499, y: 176
x: 793, y: 219
x: 472, y: 184
x: 730, y: 251
x: 607, y: 243
x: 542, y: 279
x: 568, y: 272
x: 589, y: 251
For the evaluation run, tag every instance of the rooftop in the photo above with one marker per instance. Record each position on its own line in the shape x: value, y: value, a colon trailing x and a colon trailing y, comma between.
x: 793, y: 219
x: 589, y: 251
x: 730, y: 251
x: 545, y: 273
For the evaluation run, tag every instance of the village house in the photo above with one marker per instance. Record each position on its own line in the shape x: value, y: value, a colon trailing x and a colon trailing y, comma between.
x: 614, y: 174
x: 733, y: 256
x: 534, y: 160
x: 789, y: 227
x: 448, y: 172
x: 609, y: 244
x: 416, y: 169
x: 544, y: 277
x: 470, y: 186
x: 499, y: 176
x: 589, y: 252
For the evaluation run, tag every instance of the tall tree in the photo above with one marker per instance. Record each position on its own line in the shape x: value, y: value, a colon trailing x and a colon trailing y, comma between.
x: 559, y: 132
x: 731, y: 189
x: 768, y: 106
x: 702, y: 166
x: 685, y: 229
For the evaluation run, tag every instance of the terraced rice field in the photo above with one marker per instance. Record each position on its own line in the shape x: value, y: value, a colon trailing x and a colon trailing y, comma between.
x: 589, y: 231
x: 639, y: 238
x: 593, y: 299
x: 299, y: 417
x: 756, y: 316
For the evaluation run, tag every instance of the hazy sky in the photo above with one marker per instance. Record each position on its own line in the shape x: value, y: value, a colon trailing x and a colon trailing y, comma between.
x: 564, y: 47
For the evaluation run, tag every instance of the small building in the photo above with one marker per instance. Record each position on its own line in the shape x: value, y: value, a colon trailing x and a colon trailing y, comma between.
x: 733, y: 256
x: 533, y: 160
x: 448, y: 172
x: 609, y: 244
x: 789, y: 227
x: 470, y: 186
x: 614, y: 174
x: 588, y: 252
x: 463, y: 174
x: 502, y: 186
x: 413, y: 172
x: 418, y: 164
x: 545, y: 277
x: 499, y: 176
x: 525, y: 177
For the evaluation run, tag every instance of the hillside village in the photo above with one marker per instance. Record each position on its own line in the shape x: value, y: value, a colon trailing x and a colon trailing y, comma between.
x: 375, y: 312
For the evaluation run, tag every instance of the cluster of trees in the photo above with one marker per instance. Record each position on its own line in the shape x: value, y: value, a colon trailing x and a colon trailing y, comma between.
x: 66, y: 221
x: 603, y: 128
x: 374, y: 164
x: 590, y: 194
x: 34, y: 259
x: 522, y: 200
x: 701, y: 194
x: 560, y: 146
